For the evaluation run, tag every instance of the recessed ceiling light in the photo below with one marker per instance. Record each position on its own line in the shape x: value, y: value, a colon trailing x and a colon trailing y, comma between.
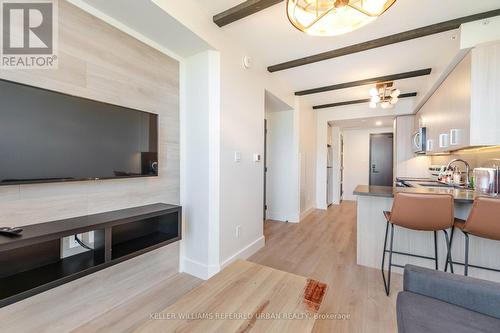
x: 378, y: 123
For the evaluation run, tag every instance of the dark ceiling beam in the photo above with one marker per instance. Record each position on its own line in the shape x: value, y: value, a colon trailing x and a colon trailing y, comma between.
x: 242, y: 10
x: 358, y: 101
x: 380, y: 79
x: 387, y: 40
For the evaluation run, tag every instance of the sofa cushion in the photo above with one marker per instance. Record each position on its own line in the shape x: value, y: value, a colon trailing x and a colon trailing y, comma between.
x: 470, y: 293
x: 422, y: 314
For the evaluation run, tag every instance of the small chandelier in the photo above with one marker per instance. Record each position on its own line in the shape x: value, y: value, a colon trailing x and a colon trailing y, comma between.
x: 334, y: 17
x: 384, y: 95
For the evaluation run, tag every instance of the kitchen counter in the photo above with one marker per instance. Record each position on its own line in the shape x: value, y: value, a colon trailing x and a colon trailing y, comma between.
x: 372, y: 201
x: 460, y: 195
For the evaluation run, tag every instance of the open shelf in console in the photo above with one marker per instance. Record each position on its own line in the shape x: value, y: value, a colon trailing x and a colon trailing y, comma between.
x: 144, y: 235
x: 27, y: 270
x: 33, y: 262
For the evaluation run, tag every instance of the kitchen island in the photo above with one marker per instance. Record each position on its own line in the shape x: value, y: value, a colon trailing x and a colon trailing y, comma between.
x: 371, y: 224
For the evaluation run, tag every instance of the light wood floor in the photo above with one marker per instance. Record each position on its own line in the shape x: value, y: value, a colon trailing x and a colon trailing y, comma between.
x: 130, y: 315
x: 249, y: 291
x: 323, y: 247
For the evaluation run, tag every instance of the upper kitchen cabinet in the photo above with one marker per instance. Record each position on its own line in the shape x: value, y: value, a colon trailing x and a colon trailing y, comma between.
x: 446, y: 115
x: 465, y: 110
x: 485, y: 96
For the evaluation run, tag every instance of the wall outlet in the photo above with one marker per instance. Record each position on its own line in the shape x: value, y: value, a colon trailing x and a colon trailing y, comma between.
x: 238, y: 231
x: 72, y: 242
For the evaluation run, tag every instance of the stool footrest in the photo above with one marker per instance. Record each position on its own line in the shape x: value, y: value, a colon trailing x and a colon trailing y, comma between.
x: 475, y: 266
x: 410, y: 255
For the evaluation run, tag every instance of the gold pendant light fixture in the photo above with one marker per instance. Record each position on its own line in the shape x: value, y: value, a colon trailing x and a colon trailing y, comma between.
x: 334, y: 17
x: 385, y: 95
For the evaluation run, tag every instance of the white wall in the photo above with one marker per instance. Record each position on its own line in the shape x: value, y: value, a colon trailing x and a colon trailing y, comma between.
x: 336, y: 172
x: 357, y: 158
x: 201, y: 142
x: 329, y: 170
x: 307, y: 159
x: 281, y: 178
x: 241, y: 119
x: 357, y: 111
x: 242, y: 130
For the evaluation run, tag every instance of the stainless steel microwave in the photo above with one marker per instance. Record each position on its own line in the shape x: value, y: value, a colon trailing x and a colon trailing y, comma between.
x: 419, y: 141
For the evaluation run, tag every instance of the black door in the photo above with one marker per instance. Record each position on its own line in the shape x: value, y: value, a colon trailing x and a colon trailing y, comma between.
x: 381, y: 159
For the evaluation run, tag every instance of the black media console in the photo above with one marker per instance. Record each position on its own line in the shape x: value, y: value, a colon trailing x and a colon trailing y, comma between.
x: 32, y: 263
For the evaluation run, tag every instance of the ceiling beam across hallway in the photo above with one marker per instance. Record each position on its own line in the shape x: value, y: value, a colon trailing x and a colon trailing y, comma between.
x: 357, y: 101
x: 243, y: 10
x: 379, y: 79
x: 383, y: 41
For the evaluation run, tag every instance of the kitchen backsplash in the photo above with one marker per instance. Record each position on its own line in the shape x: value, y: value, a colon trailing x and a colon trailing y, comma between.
x: 476, y: 157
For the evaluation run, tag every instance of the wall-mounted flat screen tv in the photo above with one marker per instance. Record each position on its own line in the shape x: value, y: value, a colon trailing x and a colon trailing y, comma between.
x: 46, y: 136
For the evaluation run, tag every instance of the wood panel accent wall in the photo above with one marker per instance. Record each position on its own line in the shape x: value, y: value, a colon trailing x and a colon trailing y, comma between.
x: 99, y: 62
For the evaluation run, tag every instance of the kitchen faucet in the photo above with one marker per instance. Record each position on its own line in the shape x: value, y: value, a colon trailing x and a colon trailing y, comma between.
x: 467, y: 169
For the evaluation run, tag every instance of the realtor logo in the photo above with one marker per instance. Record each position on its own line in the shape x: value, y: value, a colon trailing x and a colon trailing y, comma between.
x: 28, y: 34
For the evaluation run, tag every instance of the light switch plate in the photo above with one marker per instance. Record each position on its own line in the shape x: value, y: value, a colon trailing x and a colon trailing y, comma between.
x: 237, y: 156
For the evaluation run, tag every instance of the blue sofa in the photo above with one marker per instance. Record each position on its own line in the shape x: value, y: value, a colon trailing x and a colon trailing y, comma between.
x: 434, y: 301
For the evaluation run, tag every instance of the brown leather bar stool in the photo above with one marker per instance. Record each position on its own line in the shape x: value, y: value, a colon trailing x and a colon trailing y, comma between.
x: 421, y: 212
x: 484, y: 222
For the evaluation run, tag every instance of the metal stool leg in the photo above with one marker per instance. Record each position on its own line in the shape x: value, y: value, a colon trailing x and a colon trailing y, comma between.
x: 383, y: 257
x: 450, y: 259
x: 390, y: 261
x: 436, y: 250
x: 466, y: 263
x: 448, y: 251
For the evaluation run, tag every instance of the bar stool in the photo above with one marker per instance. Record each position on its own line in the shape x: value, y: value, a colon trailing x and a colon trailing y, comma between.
x: 421, y: 212
x: 484, y: 222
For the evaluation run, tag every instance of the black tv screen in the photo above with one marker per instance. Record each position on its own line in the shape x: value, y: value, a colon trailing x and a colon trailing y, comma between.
x: 46, y: 136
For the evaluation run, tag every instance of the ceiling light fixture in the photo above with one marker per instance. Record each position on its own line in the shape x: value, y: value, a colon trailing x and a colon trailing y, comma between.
x: 334, y: 17
x: 385, y: 95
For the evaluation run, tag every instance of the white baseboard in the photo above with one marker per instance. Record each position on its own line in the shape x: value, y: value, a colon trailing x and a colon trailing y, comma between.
x: 198, y: 269
x: 246, y: 252
x: 306, y: 213
x: 277, y: 216
x: 205, y: 272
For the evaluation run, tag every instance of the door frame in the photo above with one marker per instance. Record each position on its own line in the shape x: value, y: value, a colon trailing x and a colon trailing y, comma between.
x: 370, y: 154
x: 341, y: 197
x: 265, y: 170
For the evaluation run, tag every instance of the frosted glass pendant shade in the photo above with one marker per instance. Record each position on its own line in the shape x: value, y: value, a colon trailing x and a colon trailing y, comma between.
x: 334, y: 17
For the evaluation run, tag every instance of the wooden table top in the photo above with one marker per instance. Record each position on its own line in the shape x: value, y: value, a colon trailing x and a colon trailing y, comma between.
x: 244, y: 297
